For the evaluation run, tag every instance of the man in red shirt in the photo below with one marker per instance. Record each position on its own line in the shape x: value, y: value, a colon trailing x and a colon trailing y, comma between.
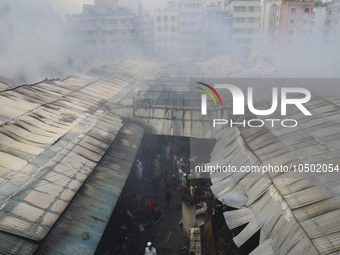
x: 151, y: 203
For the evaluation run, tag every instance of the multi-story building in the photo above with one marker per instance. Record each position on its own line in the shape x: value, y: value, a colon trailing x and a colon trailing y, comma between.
x: 217, y: 30
x: 135, y: 5
x: 268, y: 16
x: 332, y: 24
x: 137, y: 8
x: 112, y: 4
x: 294, y: 23
x: 148, y: 31
x: 319, y: 24
x: 190, y: 14
x: 220, y: 4
x: 166, y: 29
x: 105, y: 24
x: 246, y: 22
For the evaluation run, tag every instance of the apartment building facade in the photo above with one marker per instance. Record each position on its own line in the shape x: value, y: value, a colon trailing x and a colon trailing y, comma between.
x: 217, y: 31
x: 219, y: 4
x: 246, y: 22
x: 268, y: 16
x: 294, y: 23
x: 332, y: 25
x: 166, y: 29
x: 148, y: 31
x: 106, y: 25
x: 190, y: 16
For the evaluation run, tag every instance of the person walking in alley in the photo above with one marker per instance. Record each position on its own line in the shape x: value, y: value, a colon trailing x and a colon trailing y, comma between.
x: 184, y: 183
x: 150, y: 207
x: 149, y: 250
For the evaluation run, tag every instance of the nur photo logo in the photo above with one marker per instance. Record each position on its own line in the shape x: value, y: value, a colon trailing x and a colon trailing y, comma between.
x: 278, y: 100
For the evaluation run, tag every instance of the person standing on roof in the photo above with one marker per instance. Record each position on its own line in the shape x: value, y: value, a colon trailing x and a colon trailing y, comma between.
x: 149, y: 250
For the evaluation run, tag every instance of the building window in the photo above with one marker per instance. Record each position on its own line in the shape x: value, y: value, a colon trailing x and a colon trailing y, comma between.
x: 291, y: 32
x: 293, y: 10
x: 92, y: 32
x: 305, y: 21
x: 159, y: 19
x: 107, y: 32
x: 166, y: 39
x: 173, y: 29
x: 251, y: 20
x: 172, y: 38
x: 238, y: 30
x: 292, y: 21
x: 306, y: 10
x: 239, y: 20
x: 251, y: 8
x: 249, y: 30
x: 166, y: 29
x: 159, y: 29
x: 165, y: 18
x: 159, y: 39
x: 278, y: 8
x: 90, y: 22
x: 239, y: 9
x: 173, y: 18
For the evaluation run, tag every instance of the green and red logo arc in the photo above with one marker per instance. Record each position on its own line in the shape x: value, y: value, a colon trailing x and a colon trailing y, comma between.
x: 209, y: 93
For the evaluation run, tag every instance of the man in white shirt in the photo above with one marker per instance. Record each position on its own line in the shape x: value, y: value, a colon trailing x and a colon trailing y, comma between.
x: 150, y: 250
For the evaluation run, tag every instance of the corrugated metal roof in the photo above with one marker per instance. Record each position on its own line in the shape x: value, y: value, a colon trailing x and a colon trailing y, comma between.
x: 92, y: 207
x: 4, y: 85
x: 53, y: 134
x: 298, y: 213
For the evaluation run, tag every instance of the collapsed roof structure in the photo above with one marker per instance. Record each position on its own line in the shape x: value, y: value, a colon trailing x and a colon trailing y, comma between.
x: 53, y: 136
x: 66, y: 152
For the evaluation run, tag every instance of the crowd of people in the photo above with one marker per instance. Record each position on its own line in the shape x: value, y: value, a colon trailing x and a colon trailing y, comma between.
x: 163, y: 174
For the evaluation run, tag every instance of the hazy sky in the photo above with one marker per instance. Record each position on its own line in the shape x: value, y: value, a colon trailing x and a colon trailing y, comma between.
x: 75, y: 6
